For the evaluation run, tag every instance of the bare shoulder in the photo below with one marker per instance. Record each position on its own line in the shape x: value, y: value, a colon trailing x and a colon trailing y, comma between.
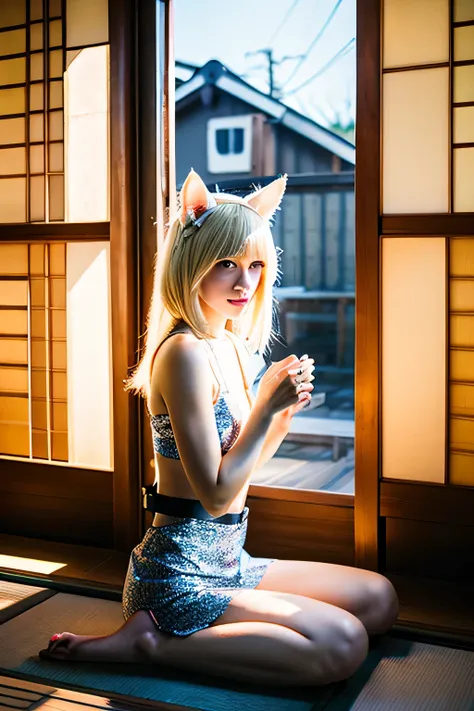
x: 181, y: 362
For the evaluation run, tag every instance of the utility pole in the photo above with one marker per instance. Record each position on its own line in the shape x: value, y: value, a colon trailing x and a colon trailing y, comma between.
x: 273, y: 90
x: 269, y: 54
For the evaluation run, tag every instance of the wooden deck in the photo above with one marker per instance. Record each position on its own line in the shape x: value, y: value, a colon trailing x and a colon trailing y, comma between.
x: 300, y: 465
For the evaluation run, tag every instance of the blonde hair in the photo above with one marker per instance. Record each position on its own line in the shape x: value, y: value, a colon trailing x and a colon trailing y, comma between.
x: 190, y: 252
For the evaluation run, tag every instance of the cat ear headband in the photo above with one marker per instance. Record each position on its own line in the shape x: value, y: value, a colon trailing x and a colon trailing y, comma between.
x: 199, y: 203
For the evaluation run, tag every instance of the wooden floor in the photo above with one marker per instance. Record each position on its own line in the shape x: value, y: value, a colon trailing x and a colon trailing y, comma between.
x: 430, y: 606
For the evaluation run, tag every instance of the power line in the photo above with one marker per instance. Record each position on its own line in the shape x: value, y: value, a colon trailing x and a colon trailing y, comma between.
x: 315, y: 40
x: 273, y: 88
x: 282, y: 24
x: 342, y: 52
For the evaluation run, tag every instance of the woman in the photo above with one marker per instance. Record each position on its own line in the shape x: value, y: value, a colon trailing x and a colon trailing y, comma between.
x: 193, y: 597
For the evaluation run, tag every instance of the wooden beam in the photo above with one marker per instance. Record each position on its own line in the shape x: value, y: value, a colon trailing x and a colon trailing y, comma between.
x: 319, y: 498
x: 367, y: 368
x: 166, y: 157
x: 429, y: 225
x: 56, y: 232
x: 147, y: 200
x: 427, y: 502
x: 123, y: 268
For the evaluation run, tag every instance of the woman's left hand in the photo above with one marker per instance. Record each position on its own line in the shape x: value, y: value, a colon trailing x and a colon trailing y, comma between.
x: 302, y: 373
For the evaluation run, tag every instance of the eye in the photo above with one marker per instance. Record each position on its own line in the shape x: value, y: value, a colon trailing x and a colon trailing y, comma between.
x: 257, y: 265
x: 226, y: 264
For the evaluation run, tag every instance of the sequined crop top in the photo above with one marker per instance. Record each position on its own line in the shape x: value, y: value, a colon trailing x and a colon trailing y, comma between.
x: 228, y: 427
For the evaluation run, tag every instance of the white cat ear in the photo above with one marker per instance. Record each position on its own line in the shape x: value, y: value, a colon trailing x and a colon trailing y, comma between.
x: 266, y: 201
x: 195, y: 197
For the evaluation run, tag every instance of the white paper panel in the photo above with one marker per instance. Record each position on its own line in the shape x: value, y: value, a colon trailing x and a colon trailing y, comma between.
x: 462, y: 399
x: 12, y: 161
x: 463, y: 179
x: 37, y: 158
x: 89, y: 338
x: 37, y: 199
x: 14, y: 259
x: 36, y: 128
x: 12, y: 71
x: 461, y: 469
x: 462, y: 295
x: 414, y: 358
x: 464, y: 83
x: 13, y: 42
x: 415, y: 141
x: 36, y: 9
x: 415, y: 32
x: 12, y: 101
x: 36, y: 37
x: 12, y: 131
x: 463, y: 10
x: 87, y: 121
x: 463, y: 43
x: 12, y: 13
x: 13, y: 200
x: 463, y: 124
x: 461, y: 259
x: 87, y: 22
x: 56, y: 197
x: 37, y: 97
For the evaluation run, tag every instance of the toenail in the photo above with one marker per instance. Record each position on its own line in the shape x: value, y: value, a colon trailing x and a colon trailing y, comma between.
x: 54, y: 637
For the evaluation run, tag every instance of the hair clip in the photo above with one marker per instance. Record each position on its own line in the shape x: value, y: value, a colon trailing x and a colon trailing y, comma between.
x: 197, y: 222
x: 201, y: 212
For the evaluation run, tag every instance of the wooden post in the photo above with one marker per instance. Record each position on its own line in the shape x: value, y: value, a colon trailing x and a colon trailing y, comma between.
x: 367, y: 366
x: 123, y: 269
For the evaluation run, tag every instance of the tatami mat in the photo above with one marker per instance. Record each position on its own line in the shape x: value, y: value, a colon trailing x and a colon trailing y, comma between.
x: 398, y: 675
x: 410, y: 676
x: 16, y: 598
x: 22, y: 637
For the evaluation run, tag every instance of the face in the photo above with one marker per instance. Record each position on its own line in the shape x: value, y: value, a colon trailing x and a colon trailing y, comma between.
x: 230, y: 285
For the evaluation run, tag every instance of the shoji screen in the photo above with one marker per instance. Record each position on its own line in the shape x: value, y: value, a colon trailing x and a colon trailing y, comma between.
x: 428, y: 280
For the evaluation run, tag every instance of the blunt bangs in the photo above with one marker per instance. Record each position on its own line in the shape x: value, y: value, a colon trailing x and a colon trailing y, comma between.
x: 233, y: 231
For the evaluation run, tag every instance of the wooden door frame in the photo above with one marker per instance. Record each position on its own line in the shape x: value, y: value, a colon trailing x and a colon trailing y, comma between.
x: 156, y: 187
x: 123, y: 268
x: 367, y: 357
x: 380, y: 503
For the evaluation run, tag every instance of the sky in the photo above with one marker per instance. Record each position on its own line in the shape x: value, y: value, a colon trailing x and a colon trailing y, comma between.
x: 226, y: 29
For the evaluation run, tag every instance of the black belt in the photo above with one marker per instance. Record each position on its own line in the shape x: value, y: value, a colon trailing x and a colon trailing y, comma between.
x: 182, y: 508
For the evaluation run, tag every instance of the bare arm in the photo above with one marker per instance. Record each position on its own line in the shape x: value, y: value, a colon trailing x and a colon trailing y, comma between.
x: 280, y: 424
x: 185, y: 382
x: 276, y: 433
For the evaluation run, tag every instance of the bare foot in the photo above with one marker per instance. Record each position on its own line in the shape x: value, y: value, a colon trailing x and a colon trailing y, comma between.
x: 139, y: 640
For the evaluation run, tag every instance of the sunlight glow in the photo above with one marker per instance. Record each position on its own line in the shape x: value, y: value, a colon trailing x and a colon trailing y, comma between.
x: 29, y: 564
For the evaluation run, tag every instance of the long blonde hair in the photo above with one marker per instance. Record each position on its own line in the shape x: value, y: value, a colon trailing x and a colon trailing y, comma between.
x: 232, y: 230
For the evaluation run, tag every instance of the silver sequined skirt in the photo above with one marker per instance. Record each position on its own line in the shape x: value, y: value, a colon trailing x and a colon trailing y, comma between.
x: 183, y: 573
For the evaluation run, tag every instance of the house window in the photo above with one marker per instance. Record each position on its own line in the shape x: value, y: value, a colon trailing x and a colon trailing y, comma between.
x: 229, y: 140
x: 229, y: 144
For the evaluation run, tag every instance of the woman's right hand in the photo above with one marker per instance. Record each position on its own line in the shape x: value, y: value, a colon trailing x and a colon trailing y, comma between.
x: 279, y: 389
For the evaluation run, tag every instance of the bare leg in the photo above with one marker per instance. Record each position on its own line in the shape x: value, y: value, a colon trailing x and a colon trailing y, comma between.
x: 367, y: 595
x: 124, y: 645
x: 264, y: 653
x: 263, y: 637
